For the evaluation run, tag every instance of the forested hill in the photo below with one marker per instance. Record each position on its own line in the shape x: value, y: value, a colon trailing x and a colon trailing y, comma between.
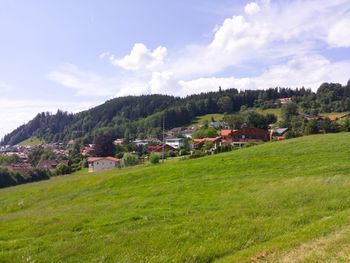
x: 137, y: 116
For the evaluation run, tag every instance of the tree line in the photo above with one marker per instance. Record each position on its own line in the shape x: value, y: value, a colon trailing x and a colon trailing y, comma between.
x: 141, y: 116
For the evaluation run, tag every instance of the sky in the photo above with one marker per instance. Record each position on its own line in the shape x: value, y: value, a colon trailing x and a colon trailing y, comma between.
x: 73, y: 55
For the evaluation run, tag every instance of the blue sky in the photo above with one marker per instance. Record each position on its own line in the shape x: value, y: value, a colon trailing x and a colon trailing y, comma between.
x: 73, y: 55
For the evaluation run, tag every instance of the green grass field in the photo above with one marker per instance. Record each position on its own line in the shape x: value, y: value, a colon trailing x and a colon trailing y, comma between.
x: 284, y: 201
x: 277, y: 112
x: 31, y: 141
x: 338, y: 114
x: 207, y: 119
x: 219, y: 117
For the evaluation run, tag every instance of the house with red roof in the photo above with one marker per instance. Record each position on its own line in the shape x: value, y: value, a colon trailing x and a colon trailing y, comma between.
x: 159, y: 148
x: 97, y: 164
x: 50, y: 164
x: 285, y: 100
x: 197, y: 143
x: 19, y: 167
x: 245, y: 135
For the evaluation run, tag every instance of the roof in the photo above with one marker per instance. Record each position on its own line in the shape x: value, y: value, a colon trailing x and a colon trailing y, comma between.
x: 50, y: 164
x: 285, y: 99
x: 281, y: 130
x: 109, y: 158
x: 19, y: 167
x: 333, y: 117
x: 250, y: 131
x: 207, y: 140
x: 226, y: 132
x: 159, y: 148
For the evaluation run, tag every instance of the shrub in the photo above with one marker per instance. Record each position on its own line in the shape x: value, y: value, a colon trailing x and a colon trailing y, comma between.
x: 247, y: 145
x: 130, y: 159
x: 62, y: 169
x: 291, y: 134
x: 198, y: 154
x: 171, y: 154
x: 154, y: 158
x: 183, y: 152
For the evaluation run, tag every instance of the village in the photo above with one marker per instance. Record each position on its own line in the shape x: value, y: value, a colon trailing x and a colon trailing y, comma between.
x: 180, y: 142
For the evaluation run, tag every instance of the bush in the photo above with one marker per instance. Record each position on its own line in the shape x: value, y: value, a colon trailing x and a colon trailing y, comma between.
x: 171, y: 154
x: 183, y: 152
x: 62, y: 169
x: 291, y: 134
x: 8, y: 178
x: 154, y: 158
x: 247, y: 145
x: 130, y: 159
x: 198, y: 154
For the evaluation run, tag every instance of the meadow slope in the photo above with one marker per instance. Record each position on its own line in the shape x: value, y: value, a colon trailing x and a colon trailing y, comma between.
x: 279, y: 202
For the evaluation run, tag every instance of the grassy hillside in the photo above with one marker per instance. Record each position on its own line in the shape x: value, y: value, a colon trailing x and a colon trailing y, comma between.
x: 31, y: 141
x: 219, y: 117
x: 207, y: 118
x: 285, y: 201
x: 337, y: 114
x: 277, y: 112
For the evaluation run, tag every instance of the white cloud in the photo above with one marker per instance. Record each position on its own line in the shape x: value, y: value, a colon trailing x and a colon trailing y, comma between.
x: 84, y: 82
x: 163, y: 82
x: 276, y: 35
x: 308, y: 71
x: 16, y: 112
x: 252, y: 8
x: 141, y: 57
x: 339, y: 34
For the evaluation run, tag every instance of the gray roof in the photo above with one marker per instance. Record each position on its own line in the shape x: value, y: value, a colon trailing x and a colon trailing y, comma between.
x: 281, y: 130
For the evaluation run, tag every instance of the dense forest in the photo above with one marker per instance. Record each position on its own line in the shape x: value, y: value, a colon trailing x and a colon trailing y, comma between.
x: 140, y: 116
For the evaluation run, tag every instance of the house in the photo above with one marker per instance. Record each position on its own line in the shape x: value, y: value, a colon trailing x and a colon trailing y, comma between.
x: 175, y: 142
x: 227, y: 135
x: 245, y: 135
x: 197, y: 143
x: 50, y: 164
x: 139, y: 142
x: 87, y: 150
x: 278, y: 133
x: 159, y: 148
x: 19, y: 167
x: 175, y: 131
x: 187, y: 133
x: 217, y: 124
x: 333, y: 118
x: 97, y: 164
x: 285, y: 100
x: 118, y: 142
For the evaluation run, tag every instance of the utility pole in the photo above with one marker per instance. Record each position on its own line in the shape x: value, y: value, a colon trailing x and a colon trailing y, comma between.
x: 163, y: 146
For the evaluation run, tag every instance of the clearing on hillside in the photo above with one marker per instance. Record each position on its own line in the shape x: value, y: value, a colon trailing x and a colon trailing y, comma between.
x: 31, y: 141
x: 283, y: 201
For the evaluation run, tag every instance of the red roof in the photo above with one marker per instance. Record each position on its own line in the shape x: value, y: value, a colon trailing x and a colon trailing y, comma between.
x: 19, y: 167
x: 207, y: 140
x: 251, y: 131
x: 226, y: 132
x: 50, y: 164
x: 285, y: 99
x: 109, y: 158
x: 159, y: 148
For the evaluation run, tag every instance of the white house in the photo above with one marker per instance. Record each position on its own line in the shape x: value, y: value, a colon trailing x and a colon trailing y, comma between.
x: 175, y: 142
x: 102, y: 163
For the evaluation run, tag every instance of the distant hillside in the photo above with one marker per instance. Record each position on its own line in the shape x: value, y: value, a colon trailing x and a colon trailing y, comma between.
x: 278, y: 202
x: 31, y: 141
x: 138, y: 116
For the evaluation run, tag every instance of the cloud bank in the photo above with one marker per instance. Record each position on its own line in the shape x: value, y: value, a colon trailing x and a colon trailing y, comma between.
x: 286, y: 42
